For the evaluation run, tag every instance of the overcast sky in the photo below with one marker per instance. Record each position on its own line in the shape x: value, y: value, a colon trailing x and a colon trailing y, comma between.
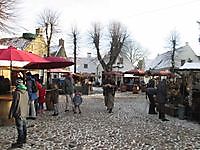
x: 149, y: 21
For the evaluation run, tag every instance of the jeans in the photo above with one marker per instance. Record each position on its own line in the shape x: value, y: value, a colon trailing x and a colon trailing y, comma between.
x: 69, y: 96
x: 55, y: 107
x: 21, y: 129
x: 32, y: 112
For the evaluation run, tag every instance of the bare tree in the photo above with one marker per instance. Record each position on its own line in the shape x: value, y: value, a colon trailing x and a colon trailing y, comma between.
x: 49, y: 19
x: 117, y: 36
x: 173, y: 41
x: 7, y: 9
x: 75, y: 36
x: 133, y: 51
x: 141, y: 63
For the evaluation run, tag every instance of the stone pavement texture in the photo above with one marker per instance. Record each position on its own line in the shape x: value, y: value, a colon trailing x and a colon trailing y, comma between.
x: 129, y: 127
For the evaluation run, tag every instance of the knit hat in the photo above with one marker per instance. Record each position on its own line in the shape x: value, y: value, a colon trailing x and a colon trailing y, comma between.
x: 19, y: 81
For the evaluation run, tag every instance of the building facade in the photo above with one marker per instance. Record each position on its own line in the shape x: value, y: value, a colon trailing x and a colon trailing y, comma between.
x: 182, y: 54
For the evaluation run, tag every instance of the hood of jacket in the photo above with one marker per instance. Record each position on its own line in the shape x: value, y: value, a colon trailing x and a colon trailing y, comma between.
x: 21, y: 87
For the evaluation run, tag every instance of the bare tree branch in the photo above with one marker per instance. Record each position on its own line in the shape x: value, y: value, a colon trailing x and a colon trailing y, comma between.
x: 117, y: 37
x: 74, y: 35
x: 95, y: 34
x: 133, y: 51
x: 173, y: 36
x: 7, y: 15
x: 49, y: 20
x: 173, y: 40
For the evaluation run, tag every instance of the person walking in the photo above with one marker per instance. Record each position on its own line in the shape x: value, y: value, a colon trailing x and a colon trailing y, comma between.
x: 33, y: 96
x: 55, y: 98
x: 109, y: 89
x: 19, y: 111
x: 68, y: 90
x: 150, y: 93
x: 162, y: 98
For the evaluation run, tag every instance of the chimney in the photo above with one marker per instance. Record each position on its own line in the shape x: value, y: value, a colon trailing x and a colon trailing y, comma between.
x: 61, y: 43
x: 89, y: 55
x: 39, y: 32
x: 186, y: 43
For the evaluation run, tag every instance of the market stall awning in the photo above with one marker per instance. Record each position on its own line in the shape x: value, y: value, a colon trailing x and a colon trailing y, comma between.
x: 113, y: 73
x: 51, y: 63
x: 160, y: 73
x: 137, y: 72
x: 58, y: 70
x: 12, y: 57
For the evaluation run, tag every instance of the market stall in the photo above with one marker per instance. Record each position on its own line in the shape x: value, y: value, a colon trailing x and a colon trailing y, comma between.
x: 117, y: 76
x: 191, y: 98
x: 11, y: 57
x: 134, y: 80
x: 51, y: 63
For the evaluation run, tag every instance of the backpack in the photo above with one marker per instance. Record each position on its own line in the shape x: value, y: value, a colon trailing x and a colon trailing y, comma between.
x: 34, y: 87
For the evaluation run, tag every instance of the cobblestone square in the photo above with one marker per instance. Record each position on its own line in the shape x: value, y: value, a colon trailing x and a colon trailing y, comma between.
x: 128, y: 127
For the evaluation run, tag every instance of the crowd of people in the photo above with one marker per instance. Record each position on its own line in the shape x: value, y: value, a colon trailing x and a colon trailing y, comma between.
x: 159, y: 92
x: 29, y: 99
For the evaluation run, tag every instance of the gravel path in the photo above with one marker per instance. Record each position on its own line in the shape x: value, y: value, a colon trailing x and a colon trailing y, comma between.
x: 128, y: 127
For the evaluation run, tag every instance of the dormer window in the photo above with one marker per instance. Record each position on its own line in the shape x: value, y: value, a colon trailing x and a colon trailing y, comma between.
x: 85, y: 66
x: 189, y: 60
x: 182, y: 62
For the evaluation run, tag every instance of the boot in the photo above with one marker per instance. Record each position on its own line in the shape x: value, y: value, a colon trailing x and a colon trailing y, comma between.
x: 17, y: 145
x: 110, y: 110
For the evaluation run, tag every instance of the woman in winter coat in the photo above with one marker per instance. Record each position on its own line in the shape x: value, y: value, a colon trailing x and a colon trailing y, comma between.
x: 41, y: 98
x: 162, y: 98
x: 150, y: 92
x: 54, y: 98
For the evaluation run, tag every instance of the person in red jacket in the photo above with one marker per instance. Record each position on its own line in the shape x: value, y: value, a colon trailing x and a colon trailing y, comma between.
x: 41, y: 99
x: 41, y: 95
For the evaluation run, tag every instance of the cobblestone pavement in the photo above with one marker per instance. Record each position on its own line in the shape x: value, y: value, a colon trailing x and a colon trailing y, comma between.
x: 128, y: 127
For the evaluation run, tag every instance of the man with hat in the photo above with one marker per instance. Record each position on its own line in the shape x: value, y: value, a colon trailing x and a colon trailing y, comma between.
x: 19, y: 111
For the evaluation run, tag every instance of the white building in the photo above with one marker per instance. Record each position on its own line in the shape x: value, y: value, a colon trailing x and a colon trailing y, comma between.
x: 91, y: 64
x: 122, y: 64
x: 182, y: 55
x: 85, y: 64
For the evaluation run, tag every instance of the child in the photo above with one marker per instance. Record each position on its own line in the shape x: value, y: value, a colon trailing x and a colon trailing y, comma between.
x: 77, y: 100
x: 42, y: 94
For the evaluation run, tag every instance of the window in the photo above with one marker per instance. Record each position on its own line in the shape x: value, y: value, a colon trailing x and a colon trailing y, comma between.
x: 120, y: 60
x: 85, y: 66
x: 182, y: 62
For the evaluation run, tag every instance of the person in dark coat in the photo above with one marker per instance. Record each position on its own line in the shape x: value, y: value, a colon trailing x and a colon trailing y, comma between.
x: 55, y: 98
x: 109, y: 89
x: 150, y: 92
x: 19, y: 111
x: 162, y: 98
x: 33, y: 96
x: 68, y: 88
